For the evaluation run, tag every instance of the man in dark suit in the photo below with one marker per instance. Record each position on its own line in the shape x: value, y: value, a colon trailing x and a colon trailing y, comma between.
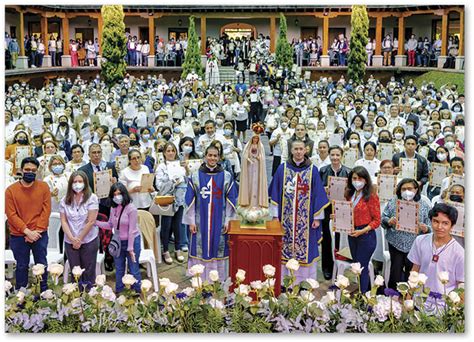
x: 97, y: 164
x: 422, y: 170
x: 335, y: 169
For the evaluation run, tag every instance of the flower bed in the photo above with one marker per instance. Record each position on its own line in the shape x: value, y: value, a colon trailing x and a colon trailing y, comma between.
x: 210, y: 307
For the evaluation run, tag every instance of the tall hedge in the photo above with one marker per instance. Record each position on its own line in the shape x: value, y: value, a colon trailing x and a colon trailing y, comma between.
x: 359, y: 38
x: 284, y: 51
x: 192, y: 59
x: 114, y: 44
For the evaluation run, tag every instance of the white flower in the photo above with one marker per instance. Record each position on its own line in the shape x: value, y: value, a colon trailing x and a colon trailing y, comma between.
x: 128, y: 280
x: 257, y: 285
x: 422, y: 278
x: 188, y: 291
x: 164, y: 282
x: 328, y: 297
x: 243, y: 290
x: 171, y: 288
x: 38, y: 269
x: 216, y: 304
x: 121, y: 300
x: 307, y: 296
x: 413, y: 277
x: 146, y: 285
x: 7, y: 286
x: 214, y: 275
x: 346, y: 293
x: 313, y: 283
x: 240, y: 275
x: 76, y: 302
x: 248, y: 299
x: 107, y: 293
x: 48, y: 294
x: 269, y: 270
x: 461, y: 285
x: 356, y: 268
x: 293, y: 265
x: 100, y: 280
x: 379, y: 280
x: 270, y: 282
x: 69, y: 288
x: 454, y: 297
x: 443, y: 277
x: 55, y: 270
x: 77, y: 271
x: 384, y: 306
x: 368, y: 295
x: 342, y: 282
x: 196, y: 269
x: 20, y: 296
x: 93, y: 292
x: 409, y: 304
x: 196, y: 282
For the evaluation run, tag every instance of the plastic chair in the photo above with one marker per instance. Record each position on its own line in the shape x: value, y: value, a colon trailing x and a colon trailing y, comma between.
x: 148, y: 257
x: 9, y: 259
x: 99, y: 267
x: 54, y: 255
x: 339, y: 265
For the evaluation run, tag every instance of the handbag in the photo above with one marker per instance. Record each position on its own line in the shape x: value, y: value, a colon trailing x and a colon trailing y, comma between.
x: 114, y: 247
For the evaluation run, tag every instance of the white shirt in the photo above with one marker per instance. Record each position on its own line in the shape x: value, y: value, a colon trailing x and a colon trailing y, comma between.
x: 372, y: 166
x: 131, y: 178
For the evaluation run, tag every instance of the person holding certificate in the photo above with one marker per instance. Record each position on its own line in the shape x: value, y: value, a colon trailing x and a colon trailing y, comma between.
x: 369, y: 161
x: 442, y: 157
x: 422, y: 171
x: 170, y: 180
x: 400, y: 242
x: 20, y: 139
x: 366, y: 204
x: 131, y: 177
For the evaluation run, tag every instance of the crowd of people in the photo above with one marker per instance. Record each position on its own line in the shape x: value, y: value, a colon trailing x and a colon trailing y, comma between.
x: 74, y: 128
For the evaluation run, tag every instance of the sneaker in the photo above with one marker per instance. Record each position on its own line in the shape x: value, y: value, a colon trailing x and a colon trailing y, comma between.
x: 167, y: 257
x: 184, y: 249
x: 179, y: 256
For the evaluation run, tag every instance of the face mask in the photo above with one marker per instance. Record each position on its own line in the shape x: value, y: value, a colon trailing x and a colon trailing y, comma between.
x: 146, y: 136
x: 29, y: 177
x: 358, y: 185
x: 284, y: 125
x: 449, y: 145
x: 187, y: 149
x: 177, y: 130
x: 408, y: 195
x: 354, y: 142
x: 189, y: 114
x: 423, y: 142
x: 118, y: 199
x: 398, y: 136
x: 441, y: 156
x: 227, y: 132
x: 57, y: 169
x: 167, y: 136
x: 341, y: 107
x: 457, y: 109
x: 371, y: 108
x: 22, y: 141
x: 219, y: 122
x: 63, y: 124
x: 459, y: 122
x: 455, y: 198
x: 432, y: 105
x: 430, y: 139
x: 128, y: 123
x: 78, y: 187
x: 367, y: 135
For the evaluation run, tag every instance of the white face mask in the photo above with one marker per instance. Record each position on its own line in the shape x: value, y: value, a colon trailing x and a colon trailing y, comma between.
x: 118, y: 199
x: 367, y: 135
x: 358, y: 185
x: 398, y: 136
x: 449, y: 145
x: 408, y: 195
x: 441, y: 156
x: 284, y: 125
x: 78, y: 187
x: 354, y: 142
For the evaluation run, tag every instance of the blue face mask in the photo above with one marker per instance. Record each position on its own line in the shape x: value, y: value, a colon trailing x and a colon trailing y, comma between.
x: 57, y: 169
x: 187, y: 149
x: 29, y: 177
x: 227, y: 132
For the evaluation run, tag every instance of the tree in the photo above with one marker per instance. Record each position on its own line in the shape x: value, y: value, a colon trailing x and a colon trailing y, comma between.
x: 114, y: 44
x: 192, y: 59
x: 284, y: 51
x: 359, y: 38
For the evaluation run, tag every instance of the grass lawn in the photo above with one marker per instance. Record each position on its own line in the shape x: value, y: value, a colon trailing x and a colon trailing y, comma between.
x: 440, y: 78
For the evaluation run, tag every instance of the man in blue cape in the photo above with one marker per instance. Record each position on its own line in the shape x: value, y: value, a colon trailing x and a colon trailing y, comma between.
x: 210, y: 205
x: 298, y: 200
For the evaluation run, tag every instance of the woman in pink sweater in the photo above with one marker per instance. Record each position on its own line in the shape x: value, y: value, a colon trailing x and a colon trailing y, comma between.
x: 123, y: 220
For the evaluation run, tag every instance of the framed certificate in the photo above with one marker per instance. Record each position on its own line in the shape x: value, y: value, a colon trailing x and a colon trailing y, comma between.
x: 279, y: 73
x: 350, y: 157
x: 193, y: 165
x: 458, y: 228
x: 385, y: 151
x: 408, y: 168
x: 307, y: 75
x: 409, y: 130
x: 160, y: 158
x: 335, y: 139
x: 121, y: 163
x: 407, y: 216
x: 343, y: 217
x: 330, y: 124
x: 21, y: 152
x: 36, y: 124
x: 8, y: 168
x: 253, y: 67
x: 336, y: 188
x: 147, y: 182
x: 102, y: 183
x: 386, y: 186
x: 438, y: 173
x: 456, y: 179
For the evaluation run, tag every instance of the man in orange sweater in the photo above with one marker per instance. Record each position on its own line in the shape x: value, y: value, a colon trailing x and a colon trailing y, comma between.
x: 28, y: 207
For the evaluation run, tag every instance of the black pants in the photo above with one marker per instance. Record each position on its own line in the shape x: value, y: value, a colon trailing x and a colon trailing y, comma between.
x: 85, y: 257
x: 400, y: 267
x: 327, y: 262
x: 276, y: 163
x: 171, y: 224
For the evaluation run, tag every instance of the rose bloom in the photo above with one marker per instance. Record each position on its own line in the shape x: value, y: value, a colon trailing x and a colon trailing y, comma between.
x: 196, y: 269
x: 56, y: 269
x: 293, y: 265
x: 164, y: 282
x: 240, y: 275
x: 356, y: 269
x: 443, y: 277
x: 38, y: 269
x: 257, y: 285
x: 379, y: 280
x: 342, y: 282
x: 214, y: 275
x: 146, y: 285
x: 48, y: 294
x: 100, y: 280
x: 77, y: 271
x: 269, y: 270
x: 128, y: 280
x: 409, y: 304
x: 454, y: 297
x: 313, y: 283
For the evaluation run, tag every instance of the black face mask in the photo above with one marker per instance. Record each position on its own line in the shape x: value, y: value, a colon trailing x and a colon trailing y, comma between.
x: 22, y: 141
x: 63, y: 124
x: 385, y: 140
x: 455, y: 198
x: 459, y: 122
x: 48, y: 120
x: 167, y: 136
x: 423, y: 142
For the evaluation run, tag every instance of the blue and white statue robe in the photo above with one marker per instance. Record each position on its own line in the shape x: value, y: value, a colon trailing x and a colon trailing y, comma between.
x: 298, y: 198
x: 210, y: 205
